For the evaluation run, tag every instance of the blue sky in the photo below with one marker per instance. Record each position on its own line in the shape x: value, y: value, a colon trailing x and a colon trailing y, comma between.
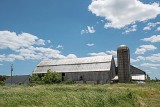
x: 36, y: 30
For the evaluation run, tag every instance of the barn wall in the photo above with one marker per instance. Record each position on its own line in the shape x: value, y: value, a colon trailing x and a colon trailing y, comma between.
x: 96, y: 77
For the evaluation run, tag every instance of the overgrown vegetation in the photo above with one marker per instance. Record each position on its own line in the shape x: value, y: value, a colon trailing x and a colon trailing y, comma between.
x: 49, y: 78
x: 81, y: 95
x: 2, y: 79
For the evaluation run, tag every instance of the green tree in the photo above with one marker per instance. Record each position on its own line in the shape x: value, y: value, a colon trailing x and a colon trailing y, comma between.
x: 51, y: 77
x: 36, y: 78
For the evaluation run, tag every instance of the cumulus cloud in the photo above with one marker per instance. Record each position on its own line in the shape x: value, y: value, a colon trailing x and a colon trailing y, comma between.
x: 151, y: 25
x: 153, y: 58
x: 152, y: 39
x: 14, y: 41
x: 26, y: 46
x: 158, y: 28
x: 49, y: 41
x: 144, y: 48
x: 90, y: 44
x: 97, y: 54
x: 112, y: 52
x: 151, y: 65
x: 33, y: 53
x: 90, y: 29
x: 134, y: 60
x: 133, y: 28
x: 140, y: 58
x: 137, y: 59
x: 71, y: 56
x: 120, y: 13
x: 147, y: 28
x: 10, y: 57
x: 59, y: 47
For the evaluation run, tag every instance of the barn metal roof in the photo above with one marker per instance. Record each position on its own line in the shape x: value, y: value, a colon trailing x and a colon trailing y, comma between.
x: 85, y: 60
x: 87, y: 64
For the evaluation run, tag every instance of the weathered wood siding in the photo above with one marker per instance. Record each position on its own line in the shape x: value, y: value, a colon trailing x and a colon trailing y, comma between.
x: 95, y: 76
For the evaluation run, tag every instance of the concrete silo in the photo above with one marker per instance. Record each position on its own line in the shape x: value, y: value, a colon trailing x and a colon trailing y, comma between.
x: 123, y: 61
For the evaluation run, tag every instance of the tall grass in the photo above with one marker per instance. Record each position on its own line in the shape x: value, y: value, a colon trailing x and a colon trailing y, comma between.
x: 81, y: 95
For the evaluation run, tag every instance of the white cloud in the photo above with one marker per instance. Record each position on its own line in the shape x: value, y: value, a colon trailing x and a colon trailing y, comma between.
x: 133, y: 28
x: 147, y: 28
x: 59, y: 47
x: 13, y: 41
x: 153, y: 58
x: 71, y: 56
x: 140, y: 58
x: 6, y: 58
x: 1, y: 64
x: 137, y: 59
x: 134, y: 60
x: 144, y: 48
x: 26, y: 46
x: 158, y: 28
x: 112, y: 52
x: 49, y: 41
x: 32, y: 53
x: 40, y: 42
x: 150, y: 65
x: 154, y: 68
x: 140, y: 51
x: 102, y: 21
x: 83, y: 31
x: 90, y: 29
x: 152, y: 39
x: 97, y: 54
x: 120, y: 13
x: 90, y: 44
x: 151, y: 25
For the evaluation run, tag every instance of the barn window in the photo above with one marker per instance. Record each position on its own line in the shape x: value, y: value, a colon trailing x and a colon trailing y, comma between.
x: 63, y: 74
x: 81, y: 78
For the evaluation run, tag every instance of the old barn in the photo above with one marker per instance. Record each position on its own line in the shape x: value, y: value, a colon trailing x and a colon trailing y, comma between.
x: 97, y: 69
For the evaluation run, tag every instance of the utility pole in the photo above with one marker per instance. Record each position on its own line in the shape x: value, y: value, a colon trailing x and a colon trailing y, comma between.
x: 11, y: 72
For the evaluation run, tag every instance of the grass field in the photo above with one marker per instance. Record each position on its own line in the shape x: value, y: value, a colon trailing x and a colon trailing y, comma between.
x: 81, y: 95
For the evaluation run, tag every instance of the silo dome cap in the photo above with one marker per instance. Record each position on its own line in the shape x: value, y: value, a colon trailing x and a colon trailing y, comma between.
x: 123, y: 47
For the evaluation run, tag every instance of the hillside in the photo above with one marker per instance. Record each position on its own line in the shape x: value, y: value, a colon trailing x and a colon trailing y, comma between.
x: 81, y: 95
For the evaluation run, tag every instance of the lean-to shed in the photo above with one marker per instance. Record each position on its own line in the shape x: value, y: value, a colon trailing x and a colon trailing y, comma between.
x: 18, y: 79
x: 97, y: 69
